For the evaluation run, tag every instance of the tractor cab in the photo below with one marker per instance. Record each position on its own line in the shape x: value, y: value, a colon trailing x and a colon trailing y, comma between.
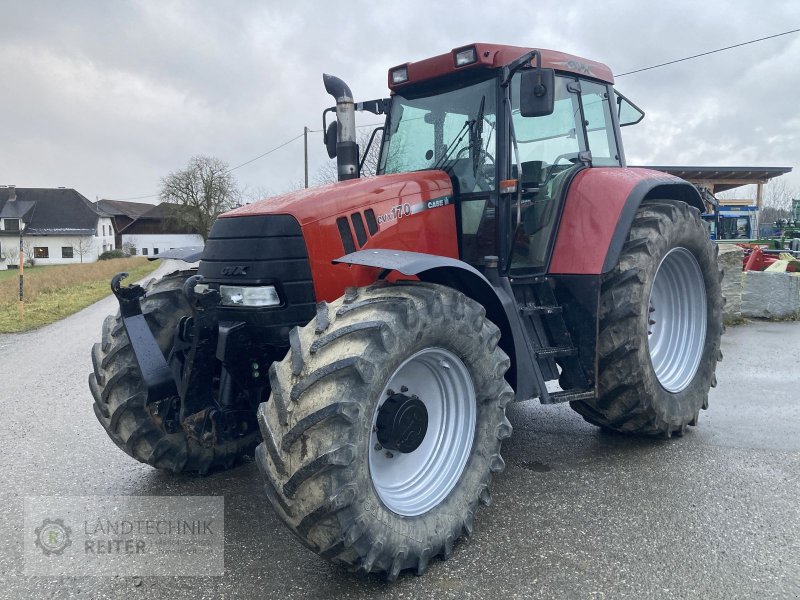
x: 510, y: 127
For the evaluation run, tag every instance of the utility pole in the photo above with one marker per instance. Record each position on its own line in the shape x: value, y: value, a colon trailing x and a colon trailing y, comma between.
x: 21, y: 275
x: 305, y: 151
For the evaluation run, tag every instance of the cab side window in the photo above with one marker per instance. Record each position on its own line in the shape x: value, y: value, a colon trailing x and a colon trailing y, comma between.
x: 599, y: 126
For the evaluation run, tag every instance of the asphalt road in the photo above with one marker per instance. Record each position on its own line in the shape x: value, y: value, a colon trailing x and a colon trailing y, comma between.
x: 577, y: 513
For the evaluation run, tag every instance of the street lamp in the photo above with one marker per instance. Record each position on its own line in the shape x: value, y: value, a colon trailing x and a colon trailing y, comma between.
x: 21, y: 272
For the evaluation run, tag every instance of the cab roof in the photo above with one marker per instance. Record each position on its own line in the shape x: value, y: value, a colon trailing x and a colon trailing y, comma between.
x: 493, y: 56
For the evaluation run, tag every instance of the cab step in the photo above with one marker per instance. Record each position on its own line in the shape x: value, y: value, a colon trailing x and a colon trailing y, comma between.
x: 556, y: 351
x: 533, y: 309
x: 568, y: 396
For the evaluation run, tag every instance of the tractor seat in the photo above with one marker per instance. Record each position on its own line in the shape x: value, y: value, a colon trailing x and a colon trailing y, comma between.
x: 531, y: 173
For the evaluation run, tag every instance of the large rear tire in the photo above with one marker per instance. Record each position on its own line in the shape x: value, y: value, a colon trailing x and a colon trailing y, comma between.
x: 119, y: 394
x: 660, y: 325
x: 342, y: 493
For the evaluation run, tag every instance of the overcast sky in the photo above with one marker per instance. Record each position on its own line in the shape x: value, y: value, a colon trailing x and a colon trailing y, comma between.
x: 108, y: 97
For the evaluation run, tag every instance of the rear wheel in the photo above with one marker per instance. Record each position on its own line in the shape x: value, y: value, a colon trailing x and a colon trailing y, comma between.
x: 660, y: 325
x: 385, y: 424
x: 119, y: 394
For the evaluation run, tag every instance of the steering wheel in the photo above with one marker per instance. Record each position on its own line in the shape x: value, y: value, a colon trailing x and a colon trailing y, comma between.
x: 485, y: 172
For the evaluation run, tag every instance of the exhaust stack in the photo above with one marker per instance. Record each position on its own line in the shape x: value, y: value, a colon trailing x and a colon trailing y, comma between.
x: 346, y: 146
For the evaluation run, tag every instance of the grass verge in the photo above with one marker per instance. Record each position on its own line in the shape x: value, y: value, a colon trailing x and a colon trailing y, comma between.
x: 55, y: 292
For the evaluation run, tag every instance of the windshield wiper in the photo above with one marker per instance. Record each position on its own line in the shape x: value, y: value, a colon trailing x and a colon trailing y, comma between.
x: 474, y: 144
x: 442, y: 162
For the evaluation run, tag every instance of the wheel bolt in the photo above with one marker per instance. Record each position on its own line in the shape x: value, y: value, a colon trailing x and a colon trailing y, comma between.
x: 403, y: 389
x: 378, y: 447
x: 390, y: 392
x: 389, y: 454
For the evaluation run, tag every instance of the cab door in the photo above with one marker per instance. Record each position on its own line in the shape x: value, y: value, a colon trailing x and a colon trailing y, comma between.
x: 552, y: 149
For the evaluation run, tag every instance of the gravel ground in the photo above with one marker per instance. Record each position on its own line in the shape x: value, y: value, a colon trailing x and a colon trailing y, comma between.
x: 577, y: 514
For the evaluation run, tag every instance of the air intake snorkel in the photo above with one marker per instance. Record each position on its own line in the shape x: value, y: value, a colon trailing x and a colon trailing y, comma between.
x: 340, y: 137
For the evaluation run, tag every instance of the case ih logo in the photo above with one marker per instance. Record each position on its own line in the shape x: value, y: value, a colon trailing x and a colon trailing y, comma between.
x: 574, y: 65
x: 234, y: 270
x: 404, y: 210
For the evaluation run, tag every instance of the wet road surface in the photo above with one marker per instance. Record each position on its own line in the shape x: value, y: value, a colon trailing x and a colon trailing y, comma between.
x: 577, y: 514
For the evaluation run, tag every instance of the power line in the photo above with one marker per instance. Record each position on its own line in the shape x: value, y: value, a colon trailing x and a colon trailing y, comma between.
x: 672, y: 62
x: 247, y: 162
x: 357, y: 127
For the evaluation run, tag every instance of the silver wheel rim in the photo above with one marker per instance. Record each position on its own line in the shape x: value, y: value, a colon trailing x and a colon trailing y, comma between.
x: 414, y: 483
x: 677, y: 322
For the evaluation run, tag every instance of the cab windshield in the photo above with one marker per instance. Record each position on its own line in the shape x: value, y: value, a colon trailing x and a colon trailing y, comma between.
x: 453, y: 131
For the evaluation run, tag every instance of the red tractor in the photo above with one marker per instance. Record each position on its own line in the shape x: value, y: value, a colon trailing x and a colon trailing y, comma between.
x: 365, y: 337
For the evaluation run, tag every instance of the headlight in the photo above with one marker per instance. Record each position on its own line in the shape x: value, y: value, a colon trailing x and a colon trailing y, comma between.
x: 400, y: 75
x: 466, y: 57
x: 238, y: 295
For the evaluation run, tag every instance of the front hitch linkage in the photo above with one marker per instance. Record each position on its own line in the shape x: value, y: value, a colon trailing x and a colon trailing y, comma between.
x: 156, y: 374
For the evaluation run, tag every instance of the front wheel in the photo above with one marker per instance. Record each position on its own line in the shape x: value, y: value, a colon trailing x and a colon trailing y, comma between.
x: 120, y: 394
x: 385, y: 424
x: 660, y: 325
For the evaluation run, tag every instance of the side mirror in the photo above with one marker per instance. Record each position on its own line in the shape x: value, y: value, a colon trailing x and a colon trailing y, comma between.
x: 537, y: 92
x: 331, y: 137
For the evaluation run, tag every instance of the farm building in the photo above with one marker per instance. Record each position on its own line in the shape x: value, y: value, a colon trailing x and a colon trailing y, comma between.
x: 57, y: 226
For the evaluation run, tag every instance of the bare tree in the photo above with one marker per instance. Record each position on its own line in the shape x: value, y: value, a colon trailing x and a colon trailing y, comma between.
x: 747, y: 191
x: 373, y: 153
x: 778, y: 194
x: 199, y: 193
x: 82, y: 247
x: 251, y: 195
x: 129, y: 246
x: 28, y: 252
x: 327, y: 173
x: 10, y: 252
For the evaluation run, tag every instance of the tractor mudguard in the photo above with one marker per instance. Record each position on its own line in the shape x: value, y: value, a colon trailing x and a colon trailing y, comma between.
x: 497, y: 299
x: 599, y: 211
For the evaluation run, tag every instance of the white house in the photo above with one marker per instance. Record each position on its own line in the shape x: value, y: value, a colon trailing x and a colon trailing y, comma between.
x: 154, y: 231
x: 57, y: 226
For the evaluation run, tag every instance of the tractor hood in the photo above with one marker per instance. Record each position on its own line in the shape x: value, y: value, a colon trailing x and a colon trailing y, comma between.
x: 313, y: 204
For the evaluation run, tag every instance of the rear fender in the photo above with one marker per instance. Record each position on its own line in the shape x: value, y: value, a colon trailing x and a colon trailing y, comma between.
x: 498, y: 302
x: 598, y: 213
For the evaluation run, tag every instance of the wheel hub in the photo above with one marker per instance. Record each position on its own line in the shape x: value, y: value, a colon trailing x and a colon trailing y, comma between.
x: 402, y: 423
x: 677, y: 319
x: 422, y: 436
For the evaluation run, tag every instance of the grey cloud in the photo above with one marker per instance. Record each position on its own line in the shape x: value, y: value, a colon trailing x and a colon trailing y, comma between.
x: 109, y: 97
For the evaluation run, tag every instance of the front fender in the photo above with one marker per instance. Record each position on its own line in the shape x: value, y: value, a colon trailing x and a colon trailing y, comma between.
x: 500, y: 306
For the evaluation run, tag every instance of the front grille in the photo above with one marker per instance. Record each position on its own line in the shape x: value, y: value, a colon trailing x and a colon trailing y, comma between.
x: 270, y: 250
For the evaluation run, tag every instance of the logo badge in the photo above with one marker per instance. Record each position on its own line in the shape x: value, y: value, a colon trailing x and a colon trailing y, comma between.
x: 52, y: 537
x: 234, y: 270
